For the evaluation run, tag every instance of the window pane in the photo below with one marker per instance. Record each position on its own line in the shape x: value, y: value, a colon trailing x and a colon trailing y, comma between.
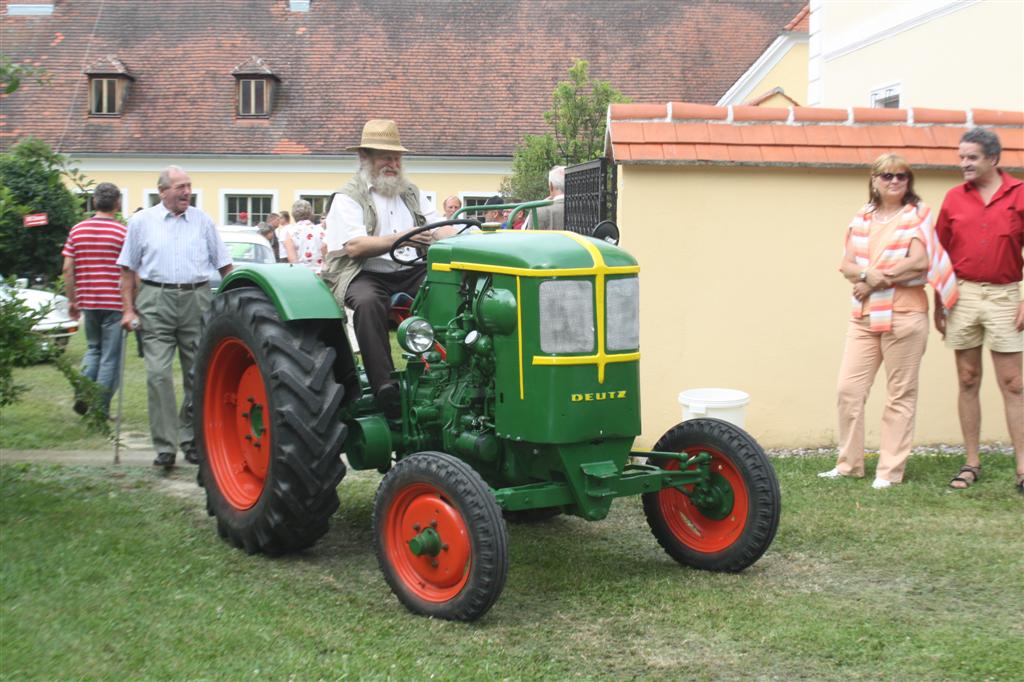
x: 318, y: 202
x: 259, y: 97
x: 567, y: 316
x: 623, y: 314
x: 97, y: 95
x: 245, y: 97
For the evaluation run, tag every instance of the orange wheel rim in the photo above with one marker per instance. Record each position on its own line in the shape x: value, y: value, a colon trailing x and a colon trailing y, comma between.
x: 692, y: 527
x: 236, y: 423
x: 431, y: 578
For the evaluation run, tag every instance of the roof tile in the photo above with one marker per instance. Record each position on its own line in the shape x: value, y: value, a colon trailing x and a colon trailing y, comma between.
x: 742, y: 112
x: 816, y: 114
x: 679, y: 152
x: 724, y: 133
x: 659, y: 132
x: 812, y: 141
x: 621, y: 112
x: 757, y: 134
x: 682, y: 111
x: 712, y: 152
x: 922, y: 115
x: 647, y: 152
x: 863, y: 115
x: 692, y: 132
x: 990, y: 117
x: 744, y: 153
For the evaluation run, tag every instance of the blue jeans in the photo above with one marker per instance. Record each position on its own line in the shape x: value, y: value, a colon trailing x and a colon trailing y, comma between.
x: 102, y: 360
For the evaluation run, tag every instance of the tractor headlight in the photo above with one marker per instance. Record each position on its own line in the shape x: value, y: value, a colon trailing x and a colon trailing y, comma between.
x: 623, y: 313
x: 416, y: 335
x: 567, y: 316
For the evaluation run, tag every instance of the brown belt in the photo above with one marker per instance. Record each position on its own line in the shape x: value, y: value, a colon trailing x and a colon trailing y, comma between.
x: 186, y: 287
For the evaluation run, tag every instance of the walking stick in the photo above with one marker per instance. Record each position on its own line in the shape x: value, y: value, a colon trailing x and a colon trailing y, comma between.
x: 120, y: 393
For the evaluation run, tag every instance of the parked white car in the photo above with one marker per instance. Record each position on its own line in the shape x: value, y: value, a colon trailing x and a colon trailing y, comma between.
x: 56, y: 326
x: 245, y: 245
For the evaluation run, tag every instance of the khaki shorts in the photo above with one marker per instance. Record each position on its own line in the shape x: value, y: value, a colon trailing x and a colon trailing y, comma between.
x: 984, y: 314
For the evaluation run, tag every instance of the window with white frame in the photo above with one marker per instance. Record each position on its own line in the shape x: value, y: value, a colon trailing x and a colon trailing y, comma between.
x: 247, y: 209
x: 471, y: 200
x: 253, y: 97
x: 104, y: 99
x: 887, y: 97
x: 319, y: 202
x: 153, y: 198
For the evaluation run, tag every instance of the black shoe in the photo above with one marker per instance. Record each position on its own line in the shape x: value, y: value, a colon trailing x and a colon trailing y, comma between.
x: 164, y: 459
x: 192, y: 457
x: 389, y: 400
x: 80, y: 407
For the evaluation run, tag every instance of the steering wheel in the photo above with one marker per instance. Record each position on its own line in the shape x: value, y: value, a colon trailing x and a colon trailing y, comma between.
x: 421, y: 250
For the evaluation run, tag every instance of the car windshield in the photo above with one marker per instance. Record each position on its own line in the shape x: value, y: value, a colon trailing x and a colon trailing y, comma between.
x: 245, y: 252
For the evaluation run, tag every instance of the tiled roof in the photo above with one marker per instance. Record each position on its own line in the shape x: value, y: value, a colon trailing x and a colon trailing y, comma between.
x: 461, y: 78
x: 801, y: 22
x: 253, y: 66
x: 108, y: 66
x: 688, y: 133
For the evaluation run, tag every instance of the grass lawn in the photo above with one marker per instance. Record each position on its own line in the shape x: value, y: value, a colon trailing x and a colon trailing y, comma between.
x: 114, y: 573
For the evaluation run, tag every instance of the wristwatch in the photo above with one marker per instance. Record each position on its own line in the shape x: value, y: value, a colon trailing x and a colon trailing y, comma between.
x: 863, y: 275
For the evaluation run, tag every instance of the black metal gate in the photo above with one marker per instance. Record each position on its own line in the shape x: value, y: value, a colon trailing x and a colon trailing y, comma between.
x: 589, y: 195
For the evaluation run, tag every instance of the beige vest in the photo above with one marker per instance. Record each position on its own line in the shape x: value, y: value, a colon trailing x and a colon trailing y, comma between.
x: 340, y: 269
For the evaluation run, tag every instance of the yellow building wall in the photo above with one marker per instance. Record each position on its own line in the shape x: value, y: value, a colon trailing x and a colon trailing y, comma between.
x: 790, y: 74
x: 739, y: 288
x: 972, y: 57
x: 210, y: 186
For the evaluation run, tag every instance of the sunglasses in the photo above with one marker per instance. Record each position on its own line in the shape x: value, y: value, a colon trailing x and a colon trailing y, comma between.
x: 889, y: 177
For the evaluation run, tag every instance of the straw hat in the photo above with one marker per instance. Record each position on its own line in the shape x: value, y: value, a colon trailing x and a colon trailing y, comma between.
x: 380, y: 133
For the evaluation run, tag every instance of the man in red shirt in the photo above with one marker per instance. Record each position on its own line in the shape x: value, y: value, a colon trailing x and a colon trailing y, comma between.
x: 91, y: 279
x: 981, y: 226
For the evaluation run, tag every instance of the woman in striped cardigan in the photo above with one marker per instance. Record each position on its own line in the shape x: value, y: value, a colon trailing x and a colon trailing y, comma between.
x: 891, y: 251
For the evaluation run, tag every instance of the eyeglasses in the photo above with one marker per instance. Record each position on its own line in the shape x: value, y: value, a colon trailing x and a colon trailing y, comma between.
x: 889, y: 177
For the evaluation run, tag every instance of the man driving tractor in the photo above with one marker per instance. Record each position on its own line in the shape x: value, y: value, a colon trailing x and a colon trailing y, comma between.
x: 367, y: 216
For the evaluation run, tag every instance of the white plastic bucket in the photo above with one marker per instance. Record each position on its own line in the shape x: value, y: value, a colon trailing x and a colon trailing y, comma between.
x: 720, y: 403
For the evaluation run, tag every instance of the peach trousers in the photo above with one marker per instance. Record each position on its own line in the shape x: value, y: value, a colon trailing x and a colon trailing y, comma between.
x: 901, y: 350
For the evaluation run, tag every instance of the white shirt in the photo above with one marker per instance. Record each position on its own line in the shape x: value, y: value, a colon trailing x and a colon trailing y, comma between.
x: 170, y: 249
x: 345, y: 221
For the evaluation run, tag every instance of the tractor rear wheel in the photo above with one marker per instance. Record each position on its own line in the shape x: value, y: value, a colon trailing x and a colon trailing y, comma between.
x: 731, y: 525
x: 441, y: 542
x: 267, y: 431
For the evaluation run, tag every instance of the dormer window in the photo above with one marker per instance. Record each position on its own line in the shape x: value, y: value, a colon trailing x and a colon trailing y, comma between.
x: 253, y: 97
x: 256, y: 85
x: 109, y: 81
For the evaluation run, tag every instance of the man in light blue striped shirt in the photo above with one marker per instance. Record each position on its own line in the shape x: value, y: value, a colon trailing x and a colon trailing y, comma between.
x: 167, y: 257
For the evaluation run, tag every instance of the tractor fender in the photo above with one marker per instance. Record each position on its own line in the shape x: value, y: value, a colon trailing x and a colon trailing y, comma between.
x: 296, y: 292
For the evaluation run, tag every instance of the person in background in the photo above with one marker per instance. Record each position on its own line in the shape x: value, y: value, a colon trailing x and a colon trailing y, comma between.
x: 268, y: 233
x: 890, y: 248
x: 169, y: 249
x: 497, y: 215
x: 91, y: 284
x: 552, y: 217
x: 305, y: 238
x: 981, y: 225
x: 451, y: 205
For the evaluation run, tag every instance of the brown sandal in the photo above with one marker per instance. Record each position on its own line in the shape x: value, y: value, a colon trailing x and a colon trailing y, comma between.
x: 1020, y: 483
x: 975, y: 472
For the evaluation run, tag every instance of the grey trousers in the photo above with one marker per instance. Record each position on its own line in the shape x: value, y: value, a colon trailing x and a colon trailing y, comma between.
x: 170, y: 320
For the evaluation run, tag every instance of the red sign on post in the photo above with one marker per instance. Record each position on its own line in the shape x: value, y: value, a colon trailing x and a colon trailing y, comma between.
x: 36, y: 220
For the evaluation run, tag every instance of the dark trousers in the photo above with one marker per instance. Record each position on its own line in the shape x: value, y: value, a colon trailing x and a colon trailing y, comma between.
x: 369, y: 297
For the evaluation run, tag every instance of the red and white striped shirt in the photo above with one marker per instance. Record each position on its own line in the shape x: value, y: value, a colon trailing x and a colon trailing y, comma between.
x: 95, y: 244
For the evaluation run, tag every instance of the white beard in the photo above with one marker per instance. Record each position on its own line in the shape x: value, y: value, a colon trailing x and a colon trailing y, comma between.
x: 386, y: 185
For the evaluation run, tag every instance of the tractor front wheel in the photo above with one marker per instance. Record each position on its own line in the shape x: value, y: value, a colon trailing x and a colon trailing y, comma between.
x: 727, y: 524
x: 441, y: 542
x: 267, y: 431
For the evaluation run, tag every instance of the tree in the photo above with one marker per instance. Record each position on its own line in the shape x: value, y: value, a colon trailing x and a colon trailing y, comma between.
x: 577, y: 116
x: 32, y: 181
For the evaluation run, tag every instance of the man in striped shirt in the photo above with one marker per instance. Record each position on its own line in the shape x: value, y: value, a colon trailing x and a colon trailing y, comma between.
x: 166, y: 261
x: 91, y: 277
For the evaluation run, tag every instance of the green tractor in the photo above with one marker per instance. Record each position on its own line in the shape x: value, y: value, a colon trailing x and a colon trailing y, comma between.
x: 519, y: 400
